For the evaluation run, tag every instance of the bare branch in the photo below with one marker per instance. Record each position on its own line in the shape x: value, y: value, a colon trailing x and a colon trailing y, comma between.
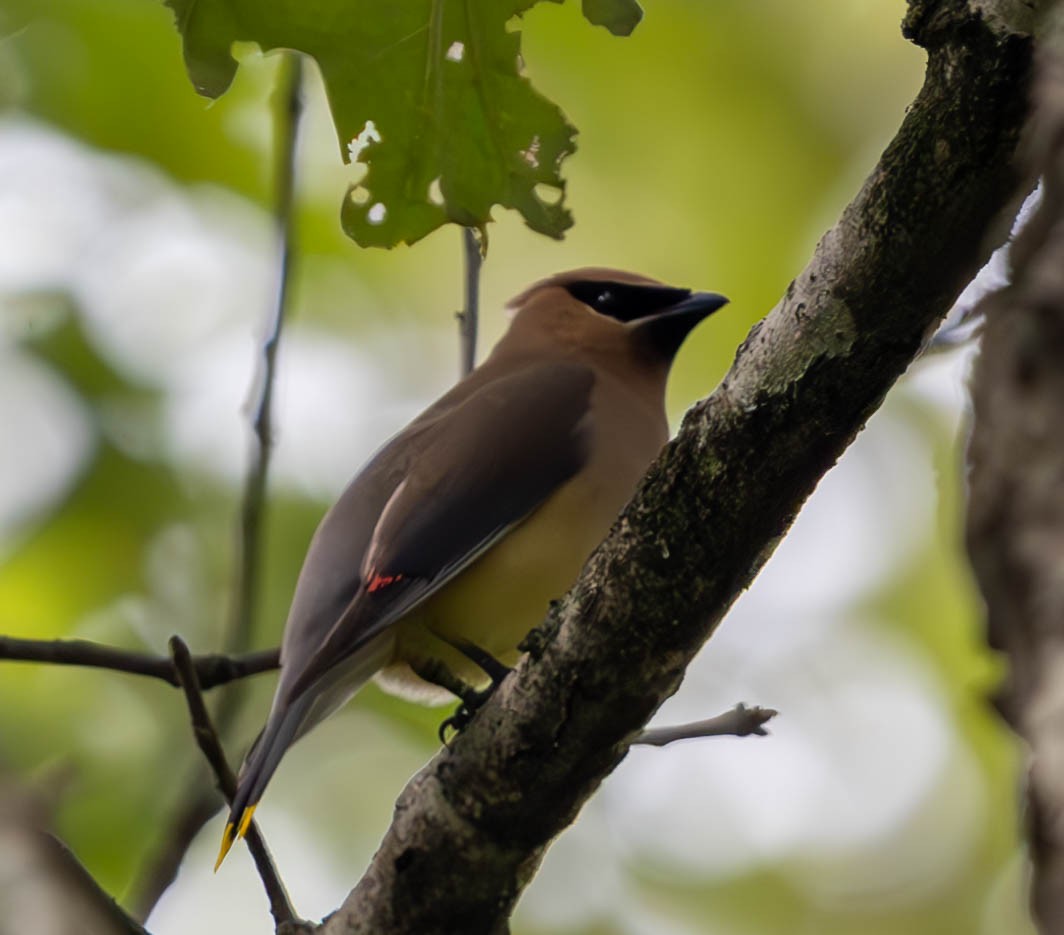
x: 288, y: 105
x: 470, y: 829
x: 202, y: 726
x: 740, y: 721
x: 210, y: 745
x: 212, y: 669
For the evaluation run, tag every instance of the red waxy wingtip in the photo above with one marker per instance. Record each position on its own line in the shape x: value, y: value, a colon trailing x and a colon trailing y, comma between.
x: 381, y: 581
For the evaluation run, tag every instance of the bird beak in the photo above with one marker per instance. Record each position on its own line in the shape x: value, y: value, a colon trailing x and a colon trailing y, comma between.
x: 666, y: 330
x: 697, y: 305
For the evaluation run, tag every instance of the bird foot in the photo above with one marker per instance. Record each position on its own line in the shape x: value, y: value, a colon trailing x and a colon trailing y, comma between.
x: 472, y: 701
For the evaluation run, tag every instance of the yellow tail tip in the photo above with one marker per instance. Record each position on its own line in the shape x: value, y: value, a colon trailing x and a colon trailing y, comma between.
x: 228, y: 837
x: 233, y: 832
x: 245, y: 820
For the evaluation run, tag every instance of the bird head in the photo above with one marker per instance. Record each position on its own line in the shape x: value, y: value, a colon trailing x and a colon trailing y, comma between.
x: 597, y: 307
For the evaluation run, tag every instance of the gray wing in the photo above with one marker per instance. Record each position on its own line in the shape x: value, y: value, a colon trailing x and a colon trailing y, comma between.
x: 479, y: 469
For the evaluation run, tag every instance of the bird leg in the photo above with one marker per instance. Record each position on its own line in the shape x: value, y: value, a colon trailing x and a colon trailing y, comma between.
x: 436, y: 673
x: 471, y: 699
x: 481, y: 658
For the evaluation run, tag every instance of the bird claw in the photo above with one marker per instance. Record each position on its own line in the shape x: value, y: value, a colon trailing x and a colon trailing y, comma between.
x: 472, y: 702
x: 471, y: 699
x: 456, y: 722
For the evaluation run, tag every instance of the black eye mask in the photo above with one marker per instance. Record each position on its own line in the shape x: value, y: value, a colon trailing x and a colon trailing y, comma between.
x: 626, y: 301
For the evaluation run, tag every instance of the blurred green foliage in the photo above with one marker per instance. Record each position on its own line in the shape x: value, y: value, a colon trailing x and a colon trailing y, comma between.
x: 717, y: 143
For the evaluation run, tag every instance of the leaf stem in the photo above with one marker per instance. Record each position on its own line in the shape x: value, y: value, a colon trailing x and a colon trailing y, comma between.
x: 469, y: 317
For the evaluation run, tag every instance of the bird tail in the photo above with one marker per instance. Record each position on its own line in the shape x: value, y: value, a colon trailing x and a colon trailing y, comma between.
x: 277, y: 736
x: 288, y: 721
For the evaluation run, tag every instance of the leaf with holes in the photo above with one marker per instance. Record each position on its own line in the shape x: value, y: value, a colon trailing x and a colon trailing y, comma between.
x: 427, y: 93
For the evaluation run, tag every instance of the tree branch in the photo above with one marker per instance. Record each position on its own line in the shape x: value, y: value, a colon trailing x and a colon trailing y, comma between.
x: 207, y: 740
x: 1016, y: 512
x: 470, y: 829
x: 740, y: 721
x: 212, y: 669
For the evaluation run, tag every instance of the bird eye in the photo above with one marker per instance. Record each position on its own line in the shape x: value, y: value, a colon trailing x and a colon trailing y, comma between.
x: 605, y: 298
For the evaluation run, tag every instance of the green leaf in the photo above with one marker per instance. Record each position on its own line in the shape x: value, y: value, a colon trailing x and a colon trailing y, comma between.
x: 433, y: 89
x: 620, y: 17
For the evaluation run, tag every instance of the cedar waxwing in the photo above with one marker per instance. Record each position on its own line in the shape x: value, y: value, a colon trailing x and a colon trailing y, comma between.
x: 451, y: 542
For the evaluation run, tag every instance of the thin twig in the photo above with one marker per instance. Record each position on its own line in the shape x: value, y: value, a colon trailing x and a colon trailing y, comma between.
x: 212, y: 669
x: 469, y: 317
x: 208, y: 742
x: 740, y: 721
x: 287, y: 108
x: 191, y: 814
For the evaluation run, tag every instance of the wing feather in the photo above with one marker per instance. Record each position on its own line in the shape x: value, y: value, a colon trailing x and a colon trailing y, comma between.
x: 482, y: 468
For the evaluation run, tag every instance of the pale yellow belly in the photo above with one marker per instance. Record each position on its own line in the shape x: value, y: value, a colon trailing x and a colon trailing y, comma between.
x: 496, y: 601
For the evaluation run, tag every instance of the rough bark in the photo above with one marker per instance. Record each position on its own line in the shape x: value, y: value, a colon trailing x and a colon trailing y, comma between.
x: 1016, y: 502
x: 470, y: 829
